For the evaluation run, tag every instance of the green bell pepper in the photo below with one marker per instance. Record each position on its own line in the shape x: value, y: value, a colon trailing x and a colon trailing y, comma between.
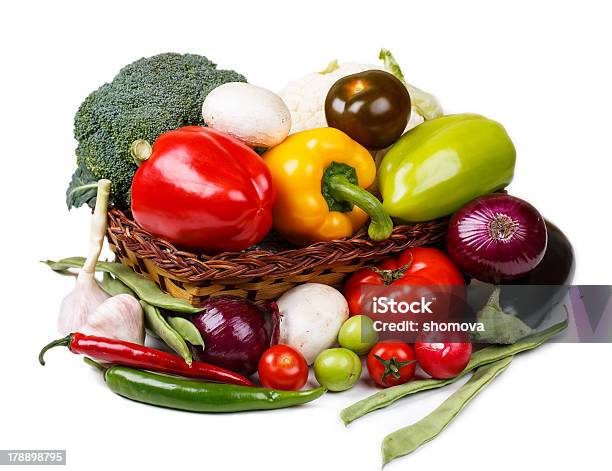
x: 442, y: 164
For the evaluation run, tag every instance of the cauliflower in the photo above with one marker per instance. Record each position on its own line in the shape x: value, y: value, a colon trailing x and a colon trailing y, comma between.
x: 305, y: 97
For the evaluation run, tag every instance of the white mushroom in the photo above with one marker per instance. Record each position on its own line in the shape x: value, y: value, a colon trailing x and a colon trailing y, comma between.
x: 311, y: 316
x: 255, y: 115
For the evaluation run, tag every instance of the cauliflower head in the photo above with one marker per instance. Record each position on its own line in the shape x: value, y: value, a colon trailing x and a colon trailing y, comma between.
x: 305, y: 97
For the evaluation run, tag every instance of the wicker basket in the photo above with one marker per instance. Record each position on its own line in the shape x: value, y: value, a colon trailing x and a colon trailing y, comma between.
x: 263, y: 272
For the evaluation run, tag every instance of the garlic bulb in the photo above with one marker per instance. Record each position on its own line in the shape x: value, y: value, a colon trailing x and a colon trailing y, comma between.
x: 75, y: 309
x: 87, y: 294
x: 119, y: 317
x: 88, y: 308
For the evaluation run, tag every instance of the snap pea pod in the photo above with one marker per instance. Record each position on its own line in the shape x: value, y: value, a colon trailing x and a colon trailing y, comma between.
x: 480, y: 358
x: 407, y: 439
x: 181, y: 326
x: 113, y: 286
x: 198, y: 396
x: 156, y: 323
x: 187, y: 330
x: 144, y: 288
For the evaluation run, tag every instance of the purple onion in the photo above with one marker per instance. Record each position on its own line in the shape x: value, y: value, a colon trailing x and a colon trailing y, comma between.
x: 496, y: 238
x: 236, y: 332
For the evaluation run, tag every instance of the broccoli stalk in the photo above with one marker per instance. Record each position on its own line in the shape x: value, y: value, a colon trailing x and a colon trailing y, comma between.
x: 147, y: 98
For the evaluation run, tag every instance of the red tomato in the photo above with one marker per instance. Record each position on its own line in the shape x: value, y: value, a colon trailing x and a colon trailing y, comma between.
x: 443, y: 360
x: 282, y: 367
x: 415, y: 266
x: 391, y: 362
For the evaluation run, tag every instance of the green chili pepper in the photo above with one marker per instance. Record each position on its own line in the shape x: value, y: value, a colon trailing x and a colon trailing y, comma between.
x: 187, y: 330
x: 197, y: 396
x: 482, y: 357
x: 143, y: 287
x: 442, y: 164
x: 156, y: 323
x: 407, y: 439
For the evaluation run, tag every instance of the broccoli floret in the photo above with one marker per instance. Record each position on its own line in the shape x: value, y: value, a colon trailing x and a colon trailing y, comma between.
x: 147, y: 98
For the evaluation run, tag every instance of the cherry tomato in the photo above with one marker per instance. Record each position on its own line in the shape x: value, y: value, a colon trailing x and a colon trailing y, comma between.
x: 423, y: 266
x: 282, y: 367
x: 391, y: 362
x: 358, y: 334
x: 446, y: 359
x: 372, y: 107
x: 337, y: 369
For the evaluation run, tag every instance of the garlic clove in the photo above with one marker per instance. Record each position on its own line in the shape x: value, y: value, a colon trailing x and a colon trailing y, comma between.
x: 83, y: 300
x: 119, y: 317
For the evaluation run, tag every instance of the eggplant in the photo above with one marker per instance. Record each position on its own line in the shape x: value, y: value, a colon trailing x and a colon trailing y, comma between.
x: 533, y: 296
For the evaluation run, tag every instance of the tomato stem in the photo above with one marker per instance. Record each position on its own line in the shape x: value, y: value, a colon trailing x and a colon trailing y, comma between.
x: 392, y: 367
x: 390, y: 276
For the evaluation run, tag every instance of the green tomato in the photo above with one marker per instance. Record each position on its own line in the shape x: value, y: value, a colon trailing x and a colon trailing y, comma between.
x: 358, y: 334
x: 337, y: 369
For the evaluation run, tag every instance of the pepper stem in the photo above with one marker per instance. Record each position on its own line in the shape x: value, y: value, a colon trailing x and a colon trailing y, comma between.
x: 341, y: 188
x: 63, y: 342
x: 140, y: 150
x: 95, y: 364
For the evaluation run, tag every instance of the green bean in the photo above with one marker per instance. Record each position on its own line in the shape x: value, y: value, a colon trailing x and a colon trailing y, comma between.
x: 155, y: 321
x: 113, y: 286
x: 143, y: 287
x: 187, y: 330
x: 407, y: 439
x: 480, y: 358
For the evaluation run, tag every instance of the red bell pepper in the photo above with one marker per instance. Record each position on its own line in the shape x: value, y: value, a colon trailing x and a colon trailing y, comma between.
x: 203, y: 189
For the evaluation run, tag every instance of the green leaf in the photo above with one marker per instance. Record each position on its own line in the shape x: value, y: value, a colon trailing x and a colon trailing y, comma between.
x: 425, y: 103
x: 82, y: 188
x: 331, y: 67
x: 499, y: 327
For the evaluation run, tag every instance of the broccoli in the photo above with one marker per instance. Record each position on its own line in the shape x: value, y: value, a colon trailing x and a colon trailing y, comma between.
x: 147, y: 98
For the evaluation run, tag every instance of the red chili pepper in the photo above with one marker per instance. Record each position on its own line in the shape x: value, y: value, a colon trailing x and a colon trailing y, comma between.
x: 203, y: 189
x: 139, y: 356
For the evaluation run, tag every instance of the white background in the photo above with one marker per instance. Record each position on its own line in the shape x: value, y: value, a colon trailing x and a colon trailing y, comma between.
x: 541, y: 68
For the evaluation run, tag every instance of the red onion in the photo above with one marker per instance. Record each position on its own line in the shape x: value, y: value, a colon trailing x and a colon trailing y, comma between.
x: 236, y: 332
x: 496, y: 238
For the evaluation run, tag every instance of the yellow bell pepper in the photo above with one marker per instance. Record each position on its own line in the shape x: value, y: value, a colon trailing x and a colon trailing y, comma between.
x: 320, y: 176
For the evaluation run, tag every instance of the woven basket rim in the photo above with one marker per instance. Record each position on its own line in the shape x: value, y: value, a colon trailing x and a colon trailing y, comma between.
x: 261, y: 263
